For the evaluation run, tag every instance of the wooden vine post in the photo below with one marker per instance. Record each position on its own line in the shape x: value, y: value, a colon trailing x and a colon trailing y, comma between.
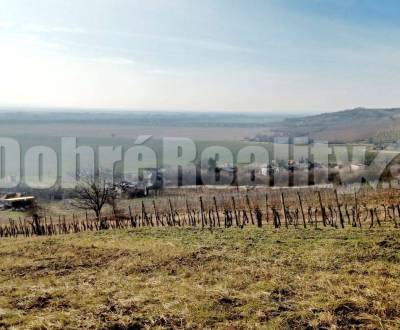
x: 301, y: 209
x: 202, y: 212
x: 284, y: 210
x: 266, y: 208
x: 357, y: 215
x: 250, y: 211
x: 216, y: 211
x: 192, y: 221
x: 323, y: 212
x: 339, y: 209
x: 156, y: 213
x: 234, y: 211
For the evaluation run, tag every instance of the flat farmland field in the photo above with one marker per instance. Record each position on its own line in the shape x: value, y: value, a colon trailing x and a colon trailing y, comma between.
x: 199, y: 279
x: 127, y: 131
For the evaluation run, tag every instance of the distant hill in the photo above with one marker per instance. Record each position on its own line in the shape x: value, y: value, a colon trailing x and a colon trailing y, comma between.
x: 354, y: 125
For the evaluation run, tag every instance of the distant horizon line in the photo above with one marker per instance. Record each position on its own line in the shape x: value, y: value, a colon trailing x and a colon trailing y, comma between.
x: 109, y: 110
x: 14, y: 108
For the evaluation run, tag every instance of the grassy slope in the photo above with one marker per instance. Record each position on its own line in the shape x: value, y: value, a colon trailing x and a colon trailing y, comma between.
x: 247, y: 278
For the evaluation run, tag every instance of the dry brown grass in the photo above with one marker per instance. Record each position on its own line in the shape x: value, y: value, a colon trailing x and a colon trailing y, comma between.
x: 188, y: 278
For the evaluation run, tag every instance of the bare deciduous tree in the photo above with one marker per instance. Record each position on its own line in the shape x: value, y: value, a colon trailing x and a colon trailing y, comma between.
x: 92, y: 194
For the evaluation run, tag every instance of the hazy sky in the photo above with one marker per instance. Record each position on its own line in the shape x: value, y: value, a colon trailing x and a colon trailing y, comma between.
x: 229, y: 55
